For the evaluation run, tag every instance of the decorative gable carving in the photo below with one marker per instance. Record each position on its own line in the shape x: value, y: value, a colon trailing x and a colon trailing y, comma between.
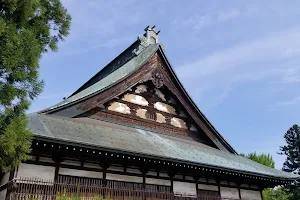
x: 150, y: 82
x: 145, y: 105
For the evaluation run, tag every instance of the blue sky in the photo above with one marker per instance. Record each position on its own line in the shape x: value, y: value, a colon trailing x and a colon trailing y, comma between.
x: 239, y: 60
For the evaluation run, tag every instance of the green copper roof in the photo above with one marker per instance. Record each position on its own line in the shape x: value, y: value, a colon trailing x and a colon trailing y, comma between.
x: 112, y: 136
x: 126, y: 69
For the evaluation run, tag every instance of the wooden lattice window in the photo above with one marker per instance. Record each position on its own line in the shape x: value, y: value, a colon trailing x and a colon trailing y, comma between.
x: 123, y: 184
x: 79, y: 181
x: 151, y: 115
x: 158, y: 188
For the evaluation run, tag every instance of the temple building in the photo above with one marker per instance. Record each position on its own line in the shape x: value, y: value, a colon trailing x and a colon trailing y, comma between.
x: 133, y: 125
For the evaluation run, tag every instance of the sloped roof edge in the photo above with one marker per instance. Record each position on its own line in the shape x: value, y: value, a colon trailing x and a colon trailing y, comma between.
x: 115, y: 77
x: 104, y: 68
x: 194, y: 105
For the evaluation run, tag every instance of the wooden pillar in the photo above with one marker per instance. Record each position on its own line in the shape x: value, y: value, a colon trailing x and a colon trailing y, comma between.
x: 57, y: 158
x: 11, y: 185
x: 144, y: 170
x: 56, y: 171
x: 239, y: 188
x: 104, y: 166
x: 238, y: 184
x: 218, y: 180
x: 219, y: 188
x: 12, y: 174
x: 261, y: 194
x: 104, y: 177
x: 144, y: 181
x: 171, y: 175
x: 196, y: 178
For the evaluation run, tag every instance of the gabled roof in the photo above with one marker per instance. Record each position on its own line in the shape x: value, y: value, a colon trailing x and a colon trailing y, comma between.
x: 115, y: 64
x: 136, y: 141
x: 122, y: 67
x: 110, y: 79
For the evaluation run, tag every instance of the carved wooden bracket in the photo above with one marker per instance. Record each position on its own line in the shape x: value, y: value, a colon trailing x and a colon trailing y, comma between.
x: 157, y: 79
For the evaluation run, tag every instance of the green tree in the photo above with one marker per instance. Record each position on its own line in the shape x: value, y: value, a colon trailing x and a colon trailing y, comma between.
x: 267, y: 160
x: 276, y: 194
x: 264, y: 159
x: 28, y: 28
x: 292, y: 162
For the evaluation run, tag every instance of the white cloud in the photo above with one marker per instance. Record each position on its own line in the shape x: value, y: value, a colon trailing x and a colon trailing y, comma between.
x: 257, y: 60
x: 198, y: 22
x: 293, y: 101
x: 256, y: 52
x: 291, y: 75
x: 224, y: 16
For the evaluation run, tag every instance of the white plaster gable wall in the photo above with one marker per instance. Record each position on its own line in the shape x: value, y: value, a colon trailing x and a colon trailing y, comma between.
x: 184, y: 188
x: 160, y: 94
x: 119, y: 107
x: 141, y: 89
x: 35, y: 171
x: 229, y: 192
x: 160, y: 118
x: 80, y: 173
x: 250, y: 194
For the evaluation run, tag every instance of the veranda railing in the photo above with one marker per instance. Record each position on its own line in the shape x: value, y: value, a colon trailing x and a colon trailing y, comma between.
x: 72, y: 189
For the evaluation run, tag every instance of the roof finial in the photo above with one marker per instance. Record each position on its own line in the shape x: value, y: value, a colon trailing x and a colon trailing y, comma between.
x: 146, y: 28
x: 150, y: 37
x: 151, y: 34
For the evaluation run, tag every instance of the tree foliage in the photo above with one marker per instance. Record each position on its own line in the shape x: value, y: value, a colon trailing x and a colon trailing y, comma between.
x: 292, y: 162
x: 268, y: 193
x: 276, y: 194
x: 264, y: 159
x: 28, y: 28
